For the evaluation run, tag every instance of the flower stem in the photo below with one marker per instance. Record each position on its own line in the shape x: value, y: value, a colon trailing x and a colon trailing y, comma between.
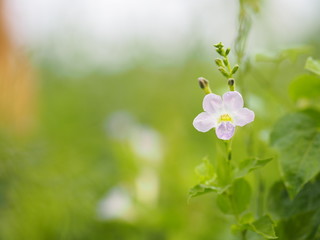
x: 243, y: 235
x: 228, y: 144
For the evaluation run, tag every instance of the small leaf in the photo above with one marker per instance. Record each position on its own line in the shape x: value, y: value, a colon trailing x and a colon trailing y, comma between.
x: 247, y: 218
x: 205, y: 171
x: 305, y: 87
x: 241, y: 195
x: 249, y: 165
x: 201, y: 189
x: 313, y: 65
x: 297, y: 138
x: 264, y: 226
x: 224, y: 204
x: 237, y: 199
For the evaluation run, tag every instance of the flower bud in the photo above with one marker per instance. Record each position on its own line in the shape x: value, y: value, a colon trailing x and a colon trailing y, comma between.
x: 225, y: 61
x: 219, y: 62
x: 203, y: 83
x: 220, y: 51
x: 235, y: 69
x: 231, y: 82
x: 228, y: 51
x: 223, y: 71
x: 218, y: 45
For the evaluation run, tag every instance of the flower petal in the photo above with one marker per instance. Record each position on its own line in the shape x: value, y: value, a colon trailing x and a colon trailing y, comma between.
x: 212, y: 103
x: 243, y: 116
x: 225, y: 130
x: 204, y: 122
x: 232, y: 100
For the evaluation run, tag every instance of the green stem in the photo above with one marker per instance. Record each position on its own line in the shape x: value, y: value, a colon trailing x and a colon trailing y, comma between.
x: 243, y: 235
x: 228, y: 144
x: 229, y: 67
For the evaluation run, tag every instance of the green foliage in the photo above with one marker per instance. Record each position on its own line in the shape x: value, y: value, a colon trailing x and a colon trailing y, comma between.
x: 296, y: 136
x: 251, y: 164
x: 313, y: 65
x: 301, y: 213
x: 305, y: 87
x: 240, y: 195
x: 224, y: 204
x: 205, y: 171
x: 236, y: 200
x: 208, y: 181
x: 201, y: 189
x: 263, y: 226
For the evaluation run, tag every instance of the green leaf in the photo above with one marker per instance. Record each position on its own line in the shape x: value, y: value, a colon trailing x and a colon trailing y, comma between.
x: 305, y: 87
x: 249, y: 165
x: 281, y: 206
x: 240, y: 195
x: 201, y: 189
x: 302, y: 226
x: 205, y: 171
x: 236, y: 199
x: 264, y: 226
x: 297, y: 138
x: 224, y: 204
x: 313, y: 65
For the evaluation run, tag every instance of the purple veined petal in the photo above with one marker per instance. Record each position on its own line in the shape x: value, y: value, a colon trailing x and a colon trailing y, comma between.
x: 232, y: 100
x: 225, y: 130
x: 212, y: 103
x: 204, y: 122
x: 243, y: 116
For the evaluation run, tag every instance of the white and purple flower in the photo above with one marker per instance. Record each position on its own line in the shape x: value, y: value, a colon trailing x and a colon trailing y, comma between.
x: 223, y: 114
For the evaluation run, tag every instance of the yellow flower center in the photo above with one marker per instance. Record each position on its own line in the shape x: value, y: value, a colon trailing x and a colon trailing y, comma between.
x: 225, y: 118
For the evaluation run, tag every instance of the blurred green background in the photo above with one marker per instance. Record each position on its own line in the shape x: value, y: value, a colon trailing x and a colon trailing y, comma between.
x: 108, y: 150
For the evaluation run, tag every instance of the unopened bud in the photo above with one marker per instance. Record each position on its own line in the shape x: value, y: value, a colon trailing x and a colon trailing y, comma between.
x: 203, y: 83
x: 228, y: 51
x: 225, y: 61
x: 219, y: 62
x: 235, y: 69
x: 218, y: 45
x: 220, y: 51
x: 223, y: 71
x: 231, y: 82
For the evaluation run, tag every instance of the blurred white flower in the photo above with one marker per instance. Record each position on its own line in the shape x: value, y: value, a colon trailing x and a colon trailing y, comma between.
x: 117, y: 204
x: 146, y: 143
x: 120, y: 125
x: 147, y: 185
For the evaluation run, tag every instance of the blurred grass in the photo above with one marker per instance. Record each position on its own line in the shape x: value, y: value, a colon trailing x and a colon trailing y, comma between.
x: 51, y: 183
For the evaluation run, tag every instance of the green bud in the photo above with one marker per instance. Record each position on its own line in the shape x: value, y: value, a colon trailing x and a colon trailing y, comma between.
x: 228, y: 51
x: 223, y: 71
x: 225, y: 61
x: 221, y: 52
x: 235, y: 69
x: 219, y: 62
x: 218, y: 45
